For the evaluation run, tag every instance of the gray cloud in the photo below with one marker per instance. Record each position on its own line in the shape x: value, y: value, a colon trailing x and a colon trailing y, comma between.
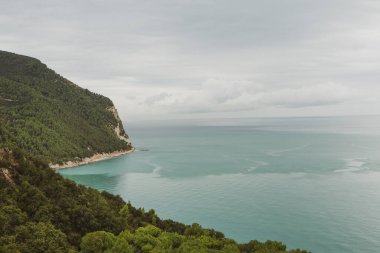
x: 155, y: 99
x: 179, y: 58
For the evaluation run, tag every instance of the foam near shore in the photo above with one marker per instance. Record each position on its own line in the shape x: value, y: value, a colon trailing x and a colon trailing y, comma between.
x: 92, y: 159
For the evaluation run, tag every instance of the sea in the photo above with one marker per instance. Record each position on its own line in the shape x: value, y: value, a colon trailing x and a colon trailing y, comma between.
x: 310, y: 182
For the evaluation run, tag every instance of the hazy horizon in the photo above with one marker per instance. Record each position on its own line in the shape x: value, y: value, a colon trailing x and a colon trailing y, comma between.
x: 348, y: 124
x: 208, y: 59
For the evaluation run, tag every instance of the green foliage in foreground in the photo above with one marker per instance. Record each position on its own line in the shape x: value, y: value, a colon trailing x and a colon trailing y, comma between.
x: 40, y: 211
x: 48, y: 116
x: 153, y: 239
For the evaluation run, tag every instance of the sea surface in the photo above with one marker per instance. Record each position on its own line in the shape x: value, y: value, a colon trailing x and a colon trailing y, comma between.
x: 312, y: 183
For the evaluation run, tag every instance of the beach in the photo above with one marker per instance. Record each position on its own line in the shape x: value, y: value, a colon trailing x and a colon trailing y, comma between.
x: 92, y: 159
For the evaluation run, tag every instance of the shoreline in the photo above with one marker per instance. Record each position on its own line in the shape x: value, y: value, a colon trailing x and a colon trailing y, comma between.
x: 95, y: 158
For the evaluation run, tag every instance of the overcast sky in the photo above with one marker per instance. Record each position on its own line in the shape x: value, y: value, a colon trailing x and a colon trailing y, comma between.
x: 185, y: 59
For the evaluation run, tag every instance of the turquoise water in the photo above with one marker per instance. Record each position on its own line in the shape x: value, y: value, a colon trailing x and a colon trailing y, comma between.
x: 313, y: 183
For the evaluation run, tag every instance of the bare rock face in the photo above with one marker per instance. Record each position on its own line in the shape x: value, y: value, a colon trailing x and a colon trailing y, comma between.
x: 7, y: 175
x: 6, y: 170
x: 119, y: 130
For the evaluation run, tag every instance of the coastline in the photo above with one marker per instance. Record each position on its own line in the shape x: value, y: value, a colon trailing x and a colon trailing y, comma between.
x: 95, y: 158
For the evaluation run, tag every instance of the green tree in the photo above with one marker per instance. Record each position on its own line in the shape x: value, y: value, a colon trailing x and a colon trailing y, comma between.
x: 11, y: 217
x: 121, y: 246
x: 97, y: 242
x: 41, y: 237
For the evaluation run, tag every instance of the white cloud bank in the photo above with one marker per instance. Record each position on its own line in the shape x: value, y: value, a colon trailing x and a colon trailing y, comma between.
x: 170, y: 59
x: 222, y: 97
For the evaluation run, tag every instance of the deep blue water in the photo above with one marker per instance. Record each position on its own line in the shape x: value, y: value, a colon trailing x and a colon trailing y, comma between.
x: 313, y: 183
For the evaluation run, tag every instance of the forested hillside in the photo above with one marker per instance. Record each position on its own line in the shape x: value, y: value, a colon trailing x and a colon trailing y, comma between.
x: 40, y: 211
x: 48, y: 116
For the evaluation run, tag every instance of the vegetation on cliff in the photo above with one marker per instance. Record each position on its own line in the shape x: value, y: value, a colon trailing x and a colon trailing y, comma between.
x: 49, y: 117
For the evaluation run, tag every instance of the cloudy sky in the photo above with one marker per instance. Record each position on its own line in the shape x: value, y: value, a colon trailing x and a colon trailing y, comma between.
x: 165, y: 59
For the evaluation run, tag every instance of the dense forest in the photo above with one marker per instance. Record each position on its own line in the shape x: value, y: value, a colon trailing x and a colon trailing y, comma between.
x: 45, y: 118
x: 48, y: 116
x: 41, y: 211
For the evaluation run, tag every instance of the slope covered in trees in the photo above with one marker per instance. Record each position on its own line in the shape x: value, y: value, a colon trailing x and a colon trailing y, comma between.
x: 40, y: 211
x: 48, y: 116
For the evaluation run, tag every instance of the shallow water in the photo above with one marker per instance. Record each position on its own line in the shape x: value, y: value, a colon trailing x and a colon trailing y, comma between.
x: 312, y: 183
